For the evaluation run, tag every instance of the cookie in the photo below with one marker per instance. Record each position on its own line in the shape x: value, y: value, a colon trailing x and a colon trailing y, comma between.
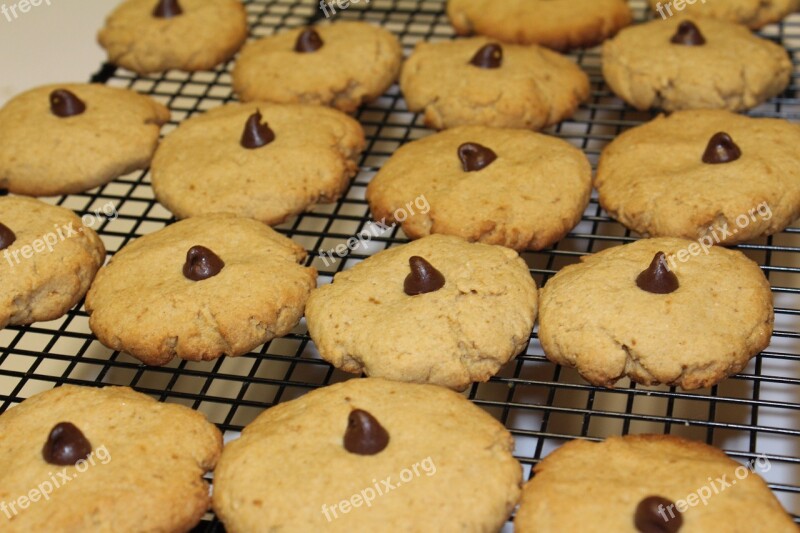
x: 69, y: 138
x: 478, y: 82
x: 418, y: 312
x: 559, y: 25
x: 365, y: 454
x: 199, y: 289
x: 680, y: 63
x: 344, y: 65
x: 88, y: 459
x: 706, y: 174
x: 648, y: 483
x: 49, y: 259
x: 148, y: 36
x: 752, y: 13
x: 689, y: 317
x: 485, y: 184
x: 264, y: 161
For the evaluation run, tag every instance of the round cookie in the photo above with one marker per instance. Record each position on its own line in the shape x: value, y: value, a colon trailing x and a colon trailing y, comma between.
x: 199, y: 289
x: 560, y: 25
x: 365, y: 455
x: 49, y: 259
x: 752, y: 13
x: 217, y: 162
x: 517, y: 86
x: 129, y: 463
x: 513, y: 201
x: 148, y: 36
x: 663, y: 179
x: 732, y: 68
x: 344, y: 65
x: 395, y: 317
x: 54, y: 143
x: 603, y: 484
x: 710, y: 313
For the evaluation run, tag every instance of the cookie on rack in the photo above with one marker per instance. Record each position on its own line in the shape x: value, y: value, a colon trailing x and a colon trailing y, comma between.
x: 476, y: 81
x: 365, y: 455
x: 683, y: 63
x: 483, y: 184
x: 49, y: 259
x: 712, y: 175
x: 69, y: 138
x: 265, y: 161
x: 558, y: 25
x: 658, y: 311
x: 660, y: 483
x: 199, y: 289
x: 89, y: 459
x: 148, y: 36
x: 343, y: 65
x: 437, y: 310
x: 752, y: 13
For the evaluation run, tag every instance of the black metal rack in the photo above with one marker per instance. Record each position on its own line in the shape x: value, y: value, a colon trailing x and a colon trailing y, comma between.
x: 753, y: 413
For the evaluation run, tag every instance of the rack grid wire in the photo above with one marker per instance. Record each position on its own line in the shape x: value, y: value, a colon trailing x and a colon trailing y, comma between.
x: 753, y: 414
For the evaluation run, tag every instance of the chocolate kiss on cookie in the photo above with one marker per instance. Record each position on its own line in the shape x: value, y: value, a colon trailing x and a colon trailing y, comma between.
x: 658, y: 278
x: 688, y: 35
x: 64, y: 104
x: 424, y: 278
x: 721, y: 149
x: 475, y: 156
x: 364, y: 434
x: 489, y: 56
x: 66, y: 445
x: 166, y: 9
x: 7, y: 237
x: 256, y: 133
x: 650, y: 518
x: 202, y: 263
x: 308, y: 41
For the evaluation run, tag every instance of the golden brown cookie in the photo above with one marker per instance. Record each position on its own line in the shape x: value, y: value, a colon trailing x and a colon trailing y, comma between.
x: 485, y: 184
x: 369, y: 455
x: 480, y: 82
x: 199, y: 289
x: 689, y: 319
x: 752, y: 13
x: 264, y: 161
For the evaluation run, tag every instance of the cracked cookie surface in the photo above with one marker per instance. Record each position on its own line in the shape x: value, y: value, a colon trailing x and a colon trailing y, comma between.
x: 461, y: 333
x: 142, y: 303
x: 290, y: 466
x: 561, y: 25
x: 594, y: 318
x: 154, y: 454
x: 42, y: 154
x: 733, y: 70
x: 202, y: 168
x: 49, y: 267
x: 652, y: 178
x: 533, y: 87
x: 513, y: 202
x: 752, y: 13
x: 205, y: 34
x: 356, y: 63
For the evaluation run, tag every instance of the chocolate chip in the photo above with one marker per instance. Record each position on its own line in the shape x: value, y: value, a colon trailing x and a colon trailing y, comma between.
x: 489, y: 56
x: 3, y: 192
x: 721, y: 149
x: 364, y: 434
x: 475, y: 156
x: 65, y: 104
x: 655, y: 514
x: 658, y: 278
x: 201, y: 263
x: 423, y: 278
x: 308, y: 41
x: 256, y: 134
x: 65, y: 445
x: 166, y: 9
x: 688, y: 35
x: 7, y: 237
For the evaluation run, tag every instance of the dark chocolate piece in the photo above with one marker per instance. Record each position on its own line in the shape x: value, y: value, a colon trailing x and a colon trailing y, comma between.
x: 655, y: 514
x: 201, y: 263
x: 364, y: 434
x: 489, y: 56
x: 688, y: 35
x: 475, y: 156
x: 66, y: 445
x: 721, y: 149
x: 308, y: 41
x: 256, y: 133
x: 65, y: 104
x: 7, y: 237
x: 166, y: 9
x: 424, y: 278
x: 658, y: 278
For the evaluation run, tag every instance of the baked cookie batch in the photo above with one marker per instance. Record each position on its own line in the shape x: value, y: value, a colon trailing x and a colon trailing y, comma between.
x: 442, y: 312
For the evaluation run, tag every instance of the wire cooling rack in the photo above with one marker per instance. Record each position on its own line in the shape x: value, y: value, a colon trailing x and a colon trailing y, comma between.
x: 755, y: 413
